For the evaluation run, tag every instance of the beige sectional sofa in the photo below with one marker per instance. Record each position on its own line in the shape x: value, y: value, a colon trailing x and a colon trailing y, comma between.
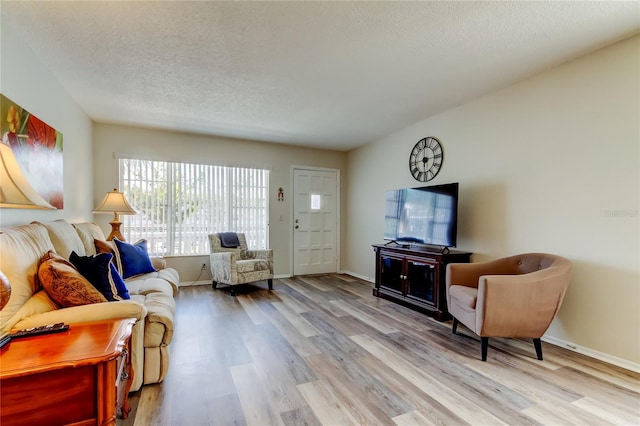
x: 152, y: 294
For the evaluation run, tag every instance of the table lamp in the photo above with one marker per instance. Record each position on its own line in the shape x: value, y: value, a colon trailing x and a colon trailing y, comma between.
x: 116, y: 203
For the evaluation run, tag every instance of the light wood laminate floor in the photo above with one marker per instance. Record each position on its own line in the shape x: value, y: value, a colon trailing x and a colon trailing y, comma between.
x: 322, y: 350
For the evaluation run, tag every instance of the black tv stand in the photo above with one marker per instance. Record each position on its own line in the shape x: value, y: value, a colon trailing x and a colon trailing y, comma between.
x: 416, y: 276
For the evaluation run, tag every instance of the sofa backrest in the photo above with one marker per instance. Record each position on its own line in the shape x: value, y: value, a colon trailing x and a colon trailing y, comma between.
x: 88, y: 232
x: 64, y: 237
x: 21, y: 248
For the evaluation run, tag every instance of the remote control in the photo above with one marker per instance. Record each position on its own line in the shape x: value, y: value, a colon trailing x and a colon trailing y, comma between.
x: 6, y: 339
x: 43, y: 329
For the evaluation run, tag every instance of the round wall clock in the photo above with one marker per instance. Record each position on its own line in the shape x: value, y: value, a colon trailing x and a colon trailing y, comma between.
x: 426, y: 159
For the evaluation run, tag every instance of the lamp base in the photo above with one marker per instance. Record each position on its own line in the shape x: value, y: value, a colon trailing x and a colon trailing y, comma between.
x: 115, y: 231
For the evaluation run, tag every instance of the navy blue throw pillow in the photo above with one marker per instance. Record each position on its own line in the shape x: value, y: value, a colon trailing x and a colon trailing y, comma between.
x: 102, y: 274
x: 132, y: 259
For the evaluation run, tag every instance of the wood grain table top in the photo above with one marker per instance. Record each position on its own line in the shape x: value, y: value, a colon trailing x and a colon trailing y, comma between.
x: 82, y: 344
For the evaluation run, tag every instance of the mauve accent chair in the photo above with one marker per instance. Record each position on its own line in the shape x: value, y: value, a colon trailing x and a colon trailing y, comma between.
x: 514, y: 297
x: 235, y: 266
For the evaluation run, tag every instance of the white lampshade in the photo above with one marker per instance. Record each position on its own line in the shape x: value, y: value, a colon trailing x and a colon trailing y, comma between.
x: 114, y: 202
x: 15, y: 190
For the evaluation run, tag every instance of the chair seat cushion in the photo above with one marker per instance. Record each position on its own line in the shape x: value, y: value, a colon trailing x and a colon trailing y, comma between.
x: 465, y: 296
x: 252, y: 265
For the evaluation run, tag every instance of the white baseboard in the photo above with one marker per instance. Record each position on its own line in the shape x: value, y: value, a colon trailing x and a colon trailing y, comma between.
x: 609, y: 359
x: 362, y: 277
x: 187, y: 284
x: 275, y: 277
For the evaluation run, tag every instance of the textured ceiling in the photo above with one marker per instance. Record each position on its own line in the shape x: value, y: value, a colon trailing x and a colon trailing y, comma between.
x: 324, y: 74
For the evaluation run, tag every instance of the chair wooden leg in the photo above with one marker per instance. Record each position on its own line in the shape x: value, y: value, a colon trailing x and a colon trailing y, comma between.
x: 538, y: 345
x: 270, y: 281
x: 214, y: 284
x: 454, y: 329
x: 484, y: 343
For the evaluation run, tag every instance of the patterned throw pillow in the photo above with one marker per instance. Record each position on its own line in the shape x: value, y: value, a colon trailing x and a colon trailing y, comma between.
x: 132, y: 259
x: 102, y: 274
x: 64, y: 284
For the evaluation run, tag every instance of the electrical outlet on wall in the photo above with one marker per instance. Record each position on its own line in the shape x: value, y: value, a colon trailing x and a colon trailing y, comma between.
x: 204, y: 265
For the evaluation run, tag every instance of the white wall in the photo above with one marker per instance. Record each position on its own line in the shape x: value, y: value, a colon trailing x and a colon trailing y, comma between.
x: 26, y: 81
x: 550, y: 164
x: 112, y: 141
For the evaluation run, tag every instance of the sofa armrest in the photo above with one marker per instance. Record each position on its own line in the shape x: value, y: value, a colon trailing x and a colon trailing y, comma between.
x: 171, y: 276
x: 158, y: 262
x: 260, y: 254
x: 223, y: 267
x: 160, y: 319
x: 223, y: 257
x: 86, y: 313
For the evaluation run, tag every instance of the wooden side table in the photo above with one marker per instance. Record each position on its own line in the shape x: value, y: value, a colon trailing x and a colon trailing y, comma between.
x: 73, y: 376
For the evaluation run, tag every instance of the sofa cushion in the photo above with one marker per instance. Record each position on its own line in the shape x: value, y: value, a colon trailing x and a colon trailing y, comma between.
x: 64, y: 237
x: 132, y: 259
x: 149, y: 285
x: 169, y: 275
x: 102, y: 274
x: 64, y: 284
x: 88, y: 232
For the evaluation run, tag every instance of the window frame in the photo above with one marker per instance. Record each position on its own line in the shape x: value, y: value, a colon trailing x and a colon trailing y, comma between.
x: 250, y: 184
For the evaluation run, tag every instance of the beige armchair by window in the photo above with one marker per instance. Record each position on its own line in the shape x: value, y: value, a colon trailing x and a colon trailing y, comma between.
x: 238, y: 265
x: 516, y: 297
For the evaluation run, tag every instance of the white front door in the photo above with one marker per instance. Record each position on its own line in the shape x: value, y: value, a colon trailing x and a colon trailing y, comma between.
x: 315, y: 221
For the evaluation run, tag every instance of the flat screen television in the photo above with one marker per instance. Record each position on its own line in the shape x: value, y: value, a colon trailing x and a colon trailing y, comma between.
x: 426, y: 215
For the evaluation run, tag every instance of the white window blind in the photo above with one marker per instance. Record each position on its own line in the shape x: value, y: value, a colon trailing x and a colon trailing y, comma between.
x: 179, y: 204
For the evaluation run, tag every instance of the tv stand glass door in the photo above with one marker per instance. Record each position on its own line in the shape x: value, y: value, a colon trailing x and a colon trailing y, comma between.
x: 421, y: 279
x: 392, y: 271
